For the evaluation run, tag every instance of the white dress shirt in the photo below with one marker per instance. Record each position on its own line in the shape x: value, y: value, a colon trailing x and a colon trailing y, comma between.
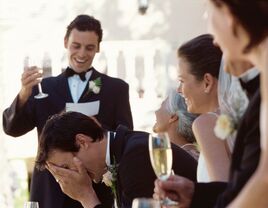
x: 77, y: 86
x: 108, y: 156
x: 249, y: 75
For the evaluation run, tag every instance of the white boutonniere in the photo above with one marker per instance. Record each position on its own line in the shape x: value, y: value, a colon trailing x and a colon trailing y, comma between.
x: 224, y: 127
x: 95, y: 85
x: 109, y: 179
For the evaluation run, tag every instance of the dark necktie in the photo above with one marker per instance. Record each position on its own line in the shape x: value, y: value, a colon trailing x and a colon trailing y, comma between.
x: 70, y: 72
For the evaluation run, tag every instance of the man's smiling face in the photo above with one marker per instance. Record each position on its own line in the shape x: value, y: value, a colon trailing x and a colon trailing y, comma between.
x: 81, y: 49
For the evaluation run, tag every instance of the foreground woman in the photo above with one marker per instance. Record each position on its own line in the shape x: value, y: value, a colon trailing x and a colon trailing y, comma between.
x: 247, y: 23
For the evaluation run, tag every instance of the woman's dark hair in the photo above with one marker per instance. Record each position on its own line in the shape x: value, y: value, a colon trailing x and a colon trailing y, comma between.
x: 252, y: 15
x: 60, y: 131
x: 202, y: 55
x: 83, y: 23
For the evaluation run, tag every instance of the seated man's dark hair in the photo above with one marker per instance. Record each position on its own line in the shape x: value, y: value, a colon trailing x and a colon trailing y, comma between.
x: 60, y: 131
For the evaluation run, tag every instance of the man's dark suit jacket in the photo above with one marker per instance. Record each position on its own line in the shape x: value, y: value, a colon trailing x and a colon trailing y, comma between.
x: 114, y: 110
x: 245, y: 157
x: 135, y: 173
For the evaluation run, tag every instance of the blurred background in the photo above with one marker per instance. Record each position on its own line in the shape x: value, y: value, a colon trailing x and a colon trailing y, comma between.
x: 139, y: 45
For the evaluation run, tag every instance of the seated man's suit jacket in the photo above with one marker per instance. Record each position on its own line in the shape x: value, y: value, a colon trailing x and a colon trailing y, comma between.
x: 245, y: 157
x: 135, y: 173
x: 114, y: 110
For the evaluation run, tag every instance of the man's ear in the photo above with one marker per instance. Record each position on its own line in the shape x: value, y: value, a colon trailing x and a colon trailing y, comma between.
x: 82, y: 140
x: 173, y: 118
x: 209, y: 81
x: 65, y: 42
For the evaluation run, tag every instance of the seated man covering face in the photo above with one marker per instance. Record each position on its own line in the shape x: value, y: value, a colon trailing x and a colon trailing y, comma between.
x: 77, y: 150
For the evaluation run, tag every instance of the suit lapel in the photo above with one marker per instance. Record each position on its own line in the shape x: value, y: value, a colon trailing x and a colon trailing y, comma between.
x: 87, y: 95
x: 63, y: 88
x: 253, y: 92
x: 117, y: 146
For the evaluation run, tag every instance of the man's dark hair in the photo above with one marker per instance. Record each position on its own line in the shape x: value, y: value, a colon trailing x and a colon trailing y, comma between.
x: 59, y: 133
x: 202, y: 55
x: 84, y: 23
x: 252, y: 15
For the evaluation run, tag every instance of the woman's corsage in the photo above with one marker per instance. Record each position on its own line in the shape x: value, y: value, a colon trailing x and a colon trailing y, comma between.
x: 224, y: 127
x: 95, y: 85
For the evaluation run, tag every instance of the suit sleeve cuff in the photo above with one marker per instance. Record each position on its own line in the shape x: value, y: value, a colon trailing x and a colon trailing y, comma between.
x: 206, y: 194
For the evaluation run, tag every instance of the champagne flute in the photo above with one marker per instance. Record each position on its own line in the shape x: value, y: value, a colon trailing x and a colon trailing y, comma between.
x: 35, y: 61
x: 161, y: 160
x: 145, y: 203
x: 31, y: 204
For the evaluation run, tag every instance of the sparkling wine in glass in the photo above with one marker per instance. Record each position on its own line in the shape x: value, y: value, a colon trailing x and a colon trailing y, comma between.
x: 31, y: 204
x: 161, y: 160
x: 35, y: 61
x: 145, y: 203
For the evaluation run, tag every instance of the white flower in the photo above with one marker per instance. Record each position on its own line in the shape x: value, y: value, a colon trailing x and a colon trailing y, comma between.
x: 95, y: 85
x: 108, y: 179
x: 96, y: 90
x: 91, y: 84
x: 224, y: 126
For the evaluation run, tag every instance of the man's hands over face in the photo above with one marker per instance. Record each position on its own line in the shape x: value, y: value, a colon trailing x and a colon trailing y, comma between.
x: 76, y: 184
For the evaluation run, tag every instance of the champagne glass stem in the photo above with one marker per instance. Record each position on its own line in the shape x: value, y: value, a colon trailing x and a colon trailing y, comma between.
x: 40, y: 95
x: 40, y: 88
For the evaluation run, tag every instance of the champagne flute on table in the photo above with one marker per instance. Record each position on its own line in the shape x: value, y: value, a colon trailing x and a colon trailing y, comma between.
x: 31, y: 204
x: 37, y: 62
x: 161, y: 160
x: 145, y: 203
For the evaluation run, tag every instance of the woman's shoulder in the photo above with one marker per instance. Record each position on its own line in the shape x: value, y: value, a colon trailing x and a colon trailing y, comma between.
x: 205, y: 119
x: 203, y: 127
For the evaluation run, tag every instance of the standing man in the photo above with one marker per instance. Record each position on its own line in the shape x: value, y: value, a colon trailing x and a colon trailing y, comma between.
x: 106, y: 97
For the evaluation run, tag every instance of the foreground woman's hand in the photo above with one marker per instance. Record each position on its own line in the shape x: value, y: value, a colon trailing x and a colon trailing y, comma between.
x: 176, y: 188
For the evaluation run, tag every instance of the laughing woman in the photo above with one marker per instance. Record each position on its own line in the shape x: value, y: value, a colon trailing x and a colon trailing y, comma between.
x: 199, y: 66
x: 172, y: 118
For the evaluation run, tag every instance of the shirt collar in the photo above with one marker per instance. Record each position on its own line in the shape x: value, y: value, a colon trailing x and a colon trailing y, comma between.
x: 249, y: 75
x: 108, y: 153
x: 108, y: 158
x: 87, y: 75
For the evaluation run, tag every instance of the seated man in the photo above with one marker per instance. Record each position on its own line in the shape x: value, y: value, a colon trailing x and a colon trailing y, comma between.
x: 76, y: 150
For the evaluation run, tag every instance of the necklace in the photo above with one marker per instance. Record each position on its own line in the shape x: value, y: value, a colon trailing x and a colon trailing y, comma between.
x: 187, y: 145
